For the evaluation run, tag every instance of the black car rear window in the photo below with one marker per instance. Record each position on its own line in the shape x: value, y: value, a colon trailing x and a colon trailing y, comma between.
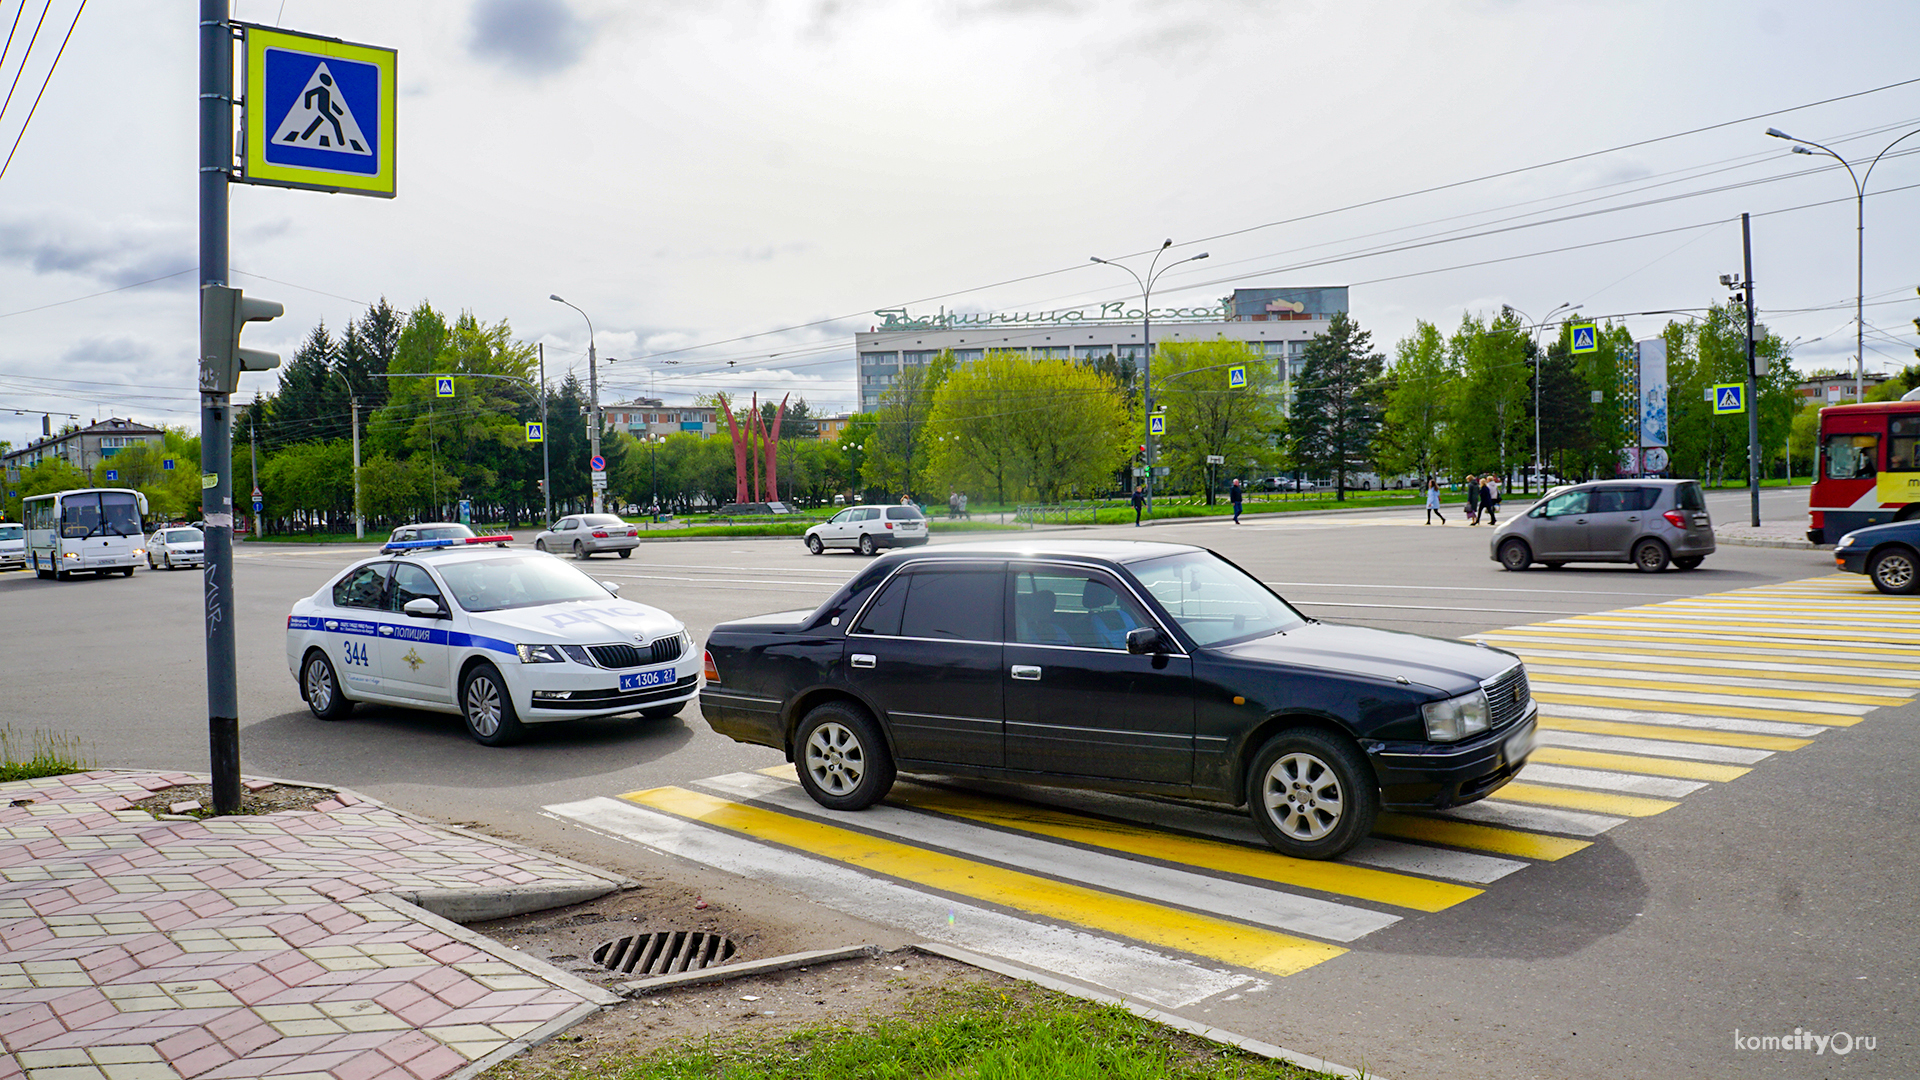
x: 954, y: 604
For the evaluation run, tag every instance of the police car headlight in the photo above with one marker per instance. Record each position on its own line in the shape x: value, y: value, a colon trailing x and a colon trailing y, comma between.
x: 541, y: 654
x: 1456, y: 718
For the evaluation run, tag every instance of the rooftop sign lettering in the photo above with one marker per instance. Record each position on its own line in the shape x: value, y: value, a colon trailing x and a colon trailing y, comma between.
x: 898, y: 319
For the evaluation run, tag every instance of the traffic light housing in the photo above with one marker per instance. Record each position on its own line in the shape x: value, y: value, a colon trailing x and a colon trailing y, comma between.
x: 224, y: 312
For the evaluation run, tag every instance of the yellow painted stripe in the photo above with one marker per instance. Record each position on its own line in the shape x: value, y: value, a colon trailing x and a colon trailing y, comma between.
x: 1732, y: 666
x: 1689, y: 708
x: 1466, y: 834
x: 1762, y: 692
x: 1383, y: 886
x: 1634, y: 763
x: 1796, y: 627
x: 1674, y: 734
x: 1141, y: 920
x: 1661, y: 644
x: 1597, y: 802
x: 1732, y: 657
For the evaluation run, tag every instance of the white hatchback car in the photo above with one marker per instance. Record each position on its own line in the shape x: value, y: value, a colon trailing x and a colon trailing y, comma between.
x: 502, y: 638
x: 176, y: 547
x: 869, y: 528
x: 13, y: 546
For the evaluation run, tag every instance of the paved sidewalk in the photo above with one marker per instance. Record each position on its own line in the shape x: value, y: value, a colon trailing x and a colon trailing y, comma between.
x: 276, y: 945
x: 1774, y: 534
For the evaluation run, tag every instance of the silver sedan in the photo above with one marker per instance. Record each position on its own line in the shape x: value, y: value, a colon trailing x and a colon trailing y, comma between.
x: 581, y: 535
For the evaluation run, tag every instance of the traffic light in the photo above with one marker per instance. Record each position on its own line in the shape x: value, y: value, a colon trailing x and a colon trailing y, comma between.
x: 224, y: 312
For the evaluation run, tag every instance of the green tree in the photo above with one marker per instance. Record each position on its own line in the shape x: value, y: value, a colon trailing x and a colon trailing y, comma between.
x: 1018, y: 426
x: 1418, y: 403
x: 1336, y: 409
x: 1493, y: 400
x: 899, y: 425
x: 1207, y: 417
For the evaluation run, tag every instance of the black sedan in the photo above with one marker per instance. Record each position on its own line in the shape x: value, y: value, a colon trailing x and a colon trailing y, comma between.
x: 1132, y: 667
x: 1888, y: 554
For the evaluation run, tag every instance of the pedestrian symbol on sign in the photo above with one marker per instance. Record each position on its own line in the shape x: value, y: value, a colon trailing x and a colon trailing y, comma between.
x: 1237, y: 377
x: 1584, y: 338
x: 1729, y: 398
x: 321, y: 119
x: 535, y: 432
x: 443, y: 386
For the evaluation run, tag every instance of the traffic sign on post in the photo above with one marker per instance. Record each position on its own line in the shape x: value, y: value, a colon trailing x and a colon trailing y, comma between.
x: 1237, y: 377
x: 320, y: 113
x: 535, y: 432
x: 167, y: 464
x: 597, y: 463
x: 1729, y: 398
x: 443, y: 386
x: 1157, y: 425
x: 258, y: 506
x: 1585, y: 340
x: 113, y: 474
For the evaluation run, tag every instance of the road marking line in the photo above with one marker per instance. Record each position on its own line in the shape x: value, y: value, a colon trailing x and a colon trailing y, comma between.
x: 1685, y: 770
x: 1662, y: 639
x: 1831, y: 715
x: 1787, y: 657
x: 1121, y: 966
x: 1610, y: 780
x: 1722, y: 691
x: 1545, y: 657
x: 1653, y: 715
x: 1633, y: 619
x: 1542, y: 819
x: 1479, y: 837
x: 1200, y: 935
x: 1674, y: 734
x: 1588, y: 801
x: 1657, y: 747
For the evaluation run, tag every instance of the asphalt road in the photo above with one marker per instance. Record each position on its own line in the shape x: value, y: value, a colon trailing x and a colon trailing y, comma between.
x: 1763, y: 906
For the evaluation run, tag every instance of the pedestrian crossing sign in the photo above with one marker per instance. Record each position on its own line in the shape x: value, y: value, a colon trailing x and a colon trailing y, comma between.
x: 443, y: 386
x: 1237, y: 377
x: 535, y: 432
x: 1729, y: 398
x: 1585, y: 340
x: 319, y: 113
x: 1157, y: 425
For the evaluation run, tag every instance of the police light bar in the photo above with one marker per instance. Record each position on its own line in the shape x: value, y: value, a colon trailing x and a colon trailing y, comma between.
x: 503, y: 539
x: 409, y: 545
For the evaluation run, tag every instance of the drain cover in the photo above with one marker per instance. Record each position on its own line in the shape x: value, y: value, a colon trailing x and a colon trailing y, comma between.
x: 663, y: 952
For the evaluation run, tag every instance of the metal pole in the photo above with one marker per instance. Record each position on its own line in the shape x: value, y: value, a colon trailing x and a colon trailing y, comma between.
x: 1753, y: 379
x: 216, y: 414
x: 359, y: 519
x: 593, y: 383
x: 546, y: 468
x: 253, y: 460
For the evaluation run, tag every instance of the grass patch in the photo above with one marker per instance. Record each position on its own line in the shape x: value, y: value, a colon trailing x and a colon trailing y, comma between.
x: 983, y: 1032
x: 40, y: 754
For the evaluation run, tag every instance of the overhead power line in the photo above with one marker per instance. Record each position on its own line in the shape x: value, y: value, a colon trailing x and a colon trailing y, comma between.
x: 43, y: 83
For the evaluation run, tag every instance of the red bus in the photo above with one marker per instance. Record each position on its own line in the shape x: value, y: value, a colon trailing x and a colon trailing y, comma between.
x: 1865, y: 470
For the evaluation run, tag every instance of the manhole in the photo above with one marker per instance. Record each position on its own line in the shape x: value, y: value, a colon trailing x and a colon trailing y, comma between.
x: 663, y: 952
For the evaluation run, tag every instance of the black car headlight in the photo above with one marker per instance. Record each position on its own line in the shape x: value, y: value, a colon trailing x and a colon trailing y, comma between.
x: 1846, y: 541
x: 541, y: 654
x: 1457, y: 717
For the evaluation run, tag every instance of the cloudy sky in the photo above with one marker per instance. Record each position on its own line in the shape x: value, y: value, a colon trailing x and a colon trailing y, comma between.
x: 731, y: 188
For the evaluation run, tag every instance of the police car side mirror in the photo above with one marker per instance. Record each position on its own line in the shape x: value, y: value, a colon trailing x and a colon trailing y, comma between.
x: 426, y: 607
x: 612, y: 588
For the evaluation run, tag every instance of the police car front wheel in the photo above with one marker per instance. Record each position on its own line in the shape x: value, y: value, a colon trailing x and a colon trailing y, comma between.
x: 322, y: 687
x: 488, y: 708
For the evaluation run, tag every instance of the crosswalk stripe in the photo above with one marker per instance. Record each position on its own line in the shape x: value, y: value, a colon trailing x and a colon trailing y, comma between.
x: 1589, y: 801
x: 1673, y: 734
x: 1785, y: 656
x: 1359, y: 882
x: 1625, y: 712
x: 1721, y: 690
x: 1541, y: 819
x: 1467, y: 834
x: 1899, y: 657
x: 1200, y: 935
x: 1684, y: 770
x: 1783, y: 671
x: 1162, y: 884
x: 1784, y: 632
x: 1662, y: 748
x: 1604, y: 698
x: 1611, y: 780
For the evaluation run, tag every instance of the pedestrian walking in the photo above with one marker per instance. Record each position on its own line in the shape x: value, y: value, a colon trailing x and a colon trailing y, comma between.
x: 1473, y: 500
x: 1234, y: 493
x: 1139, y: 502
x: 1433, y: 502
x: 963, y: 506
x: 953, y: 504
x: 1489, y: 499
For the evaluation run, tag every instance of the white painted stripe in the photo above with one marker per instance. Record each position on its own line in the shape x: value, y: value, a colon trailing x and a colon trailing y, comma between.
x: 1605, y: 780
x: 1734, y: 755
x: 1534, y: 818
x: 1148, y: 881
x: 1710, y: 723
x: 1739, y: 659
x: 1126, y: 969
x: 1654, y: 697
x: 1714, y: 680
x: 1906, y: 654
x: 1433, y: 862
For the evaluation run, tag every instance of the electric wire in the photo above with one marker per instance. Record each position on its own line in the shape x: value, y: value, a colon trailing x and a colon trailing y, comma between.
x: 43, y: 87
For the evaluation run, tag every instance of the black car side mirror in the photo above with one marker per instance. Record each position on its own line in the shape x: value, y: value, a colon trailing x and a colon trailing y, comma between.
x: 1145, y: 639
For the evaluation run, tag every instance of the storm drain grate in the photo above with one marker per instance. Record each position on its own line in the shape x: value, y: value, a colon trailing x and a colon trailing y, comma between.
x: 663, y: 952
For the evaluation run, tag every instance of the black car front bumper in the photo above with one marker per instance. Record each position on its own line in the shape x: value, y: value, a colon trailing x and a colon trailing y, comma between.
x: 1435, y: 776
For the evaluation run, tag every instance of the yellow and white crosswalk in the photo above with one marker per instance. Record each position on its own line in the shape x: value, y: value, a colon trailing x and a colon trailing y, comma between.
x: 1170, y: 903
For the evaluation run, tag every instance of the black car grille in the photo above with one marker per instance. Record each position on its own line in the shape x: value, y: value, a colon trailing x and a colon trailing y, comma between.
x: 1507, y: 698
x: 664, y: 651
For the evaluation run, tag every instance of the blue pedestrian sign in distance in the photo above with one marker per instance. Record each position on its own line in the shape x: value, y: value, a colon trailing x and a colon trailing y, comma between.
x: 443, y: 386
x: 167, y: 464
x: 1157, y: 425
x: 535, y: 433
x: 319, y: 113
x: 113, y: 474
x: 597, y: 463
x: 1729, y: 398
x: 1585, y: 340
x: 1237, y: 377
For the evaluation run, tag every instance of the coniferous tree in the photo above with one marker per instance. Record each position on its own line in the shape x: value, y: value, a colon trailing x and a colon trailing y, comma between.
x: 1336, y: 409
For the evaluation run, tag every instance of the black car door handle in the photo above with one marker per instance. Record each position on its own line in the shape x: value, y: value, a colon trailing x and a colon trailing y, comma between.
x: 1026, y: 672
x: 862, y: 659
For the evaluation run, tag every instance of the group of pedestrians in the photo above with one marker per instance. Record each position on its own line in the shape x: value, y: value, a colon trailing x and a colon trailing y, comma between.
x: 1483, y: 500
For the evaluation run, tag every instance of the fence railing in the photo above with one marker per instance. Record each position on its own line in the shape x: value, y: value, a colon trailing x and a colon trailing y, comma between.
x: 1074, y: 513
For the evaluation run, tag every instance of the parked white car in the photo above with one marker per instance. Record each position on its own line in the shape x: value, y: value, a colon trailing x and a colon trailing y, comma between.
x: 13, y: 546
x: 502, y: 638
x: 869, y: 528
x: 581, y: 535
x: 182, y: 546
x: 430, y: 530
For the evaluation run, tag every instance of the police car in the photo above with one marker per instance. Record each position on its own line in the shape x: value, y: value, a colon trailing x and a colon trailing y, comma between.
x: 502, y: 638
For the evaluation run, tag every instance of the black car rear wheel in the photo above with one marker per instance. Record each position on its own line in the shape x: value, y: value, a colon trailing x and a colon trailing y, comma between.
x: 1892, y: 570
x: 842, y: 758
x: 1650, y: 556
x: 1515, y: 555
x: 1311, y: 794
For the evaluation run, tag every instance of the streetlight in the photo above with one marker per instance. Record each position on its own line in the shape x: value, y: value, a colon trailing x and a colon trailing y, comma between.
x: 1539, y: 468
x: 1860, y: 246
x: 593, y: 392
x: 1146, y: 342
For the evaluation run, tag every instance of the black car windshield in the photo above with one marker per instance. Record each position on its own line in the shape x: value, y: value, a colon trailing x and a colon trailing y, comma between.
x: 517, y: 582
x: 1212, y: 600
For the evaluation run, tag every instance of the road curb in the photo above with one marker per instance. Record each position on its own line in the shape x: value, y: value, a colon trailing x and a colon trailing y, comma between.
x: 1765, y: 542
x: 1178, y: 1023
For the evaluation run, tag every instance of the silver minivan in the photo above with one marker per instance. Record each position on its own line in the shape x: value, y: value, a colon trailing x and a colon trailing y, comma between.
x: 1648, y: 523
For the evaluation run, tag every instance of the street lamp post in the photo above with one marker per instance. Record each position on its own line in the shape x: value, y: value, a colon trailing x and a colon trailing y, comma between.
x: 1146, y: 344
x: 593, y: 393
x: 1860, y: 246
x: 1538, y: 467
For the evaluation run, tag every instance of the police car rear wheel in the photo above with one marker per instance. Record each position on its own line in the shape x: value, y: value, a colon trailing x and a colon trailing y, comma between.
x: 488, y: 709
x: 324, y: 697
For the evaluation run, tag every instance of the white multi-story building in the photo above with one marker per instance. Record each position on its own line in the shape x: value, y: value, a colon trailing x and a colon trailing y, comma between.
x: 1273, y: 322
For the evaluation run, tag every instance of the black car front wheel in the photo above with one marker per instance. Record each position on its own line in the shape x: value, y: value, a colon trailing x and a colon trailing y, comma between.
x: 488, y: 708
x: 1311, y: 794
x: 842, y: 758
x: 1892, y: 570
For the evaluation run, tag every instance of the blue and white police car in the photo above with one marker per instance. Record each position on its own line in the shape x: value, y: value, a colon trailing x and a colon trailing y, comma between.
x: 502, y: 638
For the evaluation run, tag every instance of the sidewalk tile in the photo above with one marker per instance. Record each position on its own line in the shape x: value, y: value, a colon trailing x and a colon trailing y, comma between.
x: 244, y: 1042
x: 408, y: 1046
x: 202, y: 1061
x: 436, y: 1062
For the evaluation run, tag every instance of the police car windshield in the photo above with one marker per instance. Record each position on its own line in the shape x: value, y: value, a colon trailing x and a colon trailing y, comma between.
x: 517, y: 581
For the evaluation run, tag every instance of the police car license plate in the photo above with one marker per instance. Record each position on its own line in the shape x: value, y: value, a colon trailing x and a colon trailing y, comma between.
x: 640, y: 680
